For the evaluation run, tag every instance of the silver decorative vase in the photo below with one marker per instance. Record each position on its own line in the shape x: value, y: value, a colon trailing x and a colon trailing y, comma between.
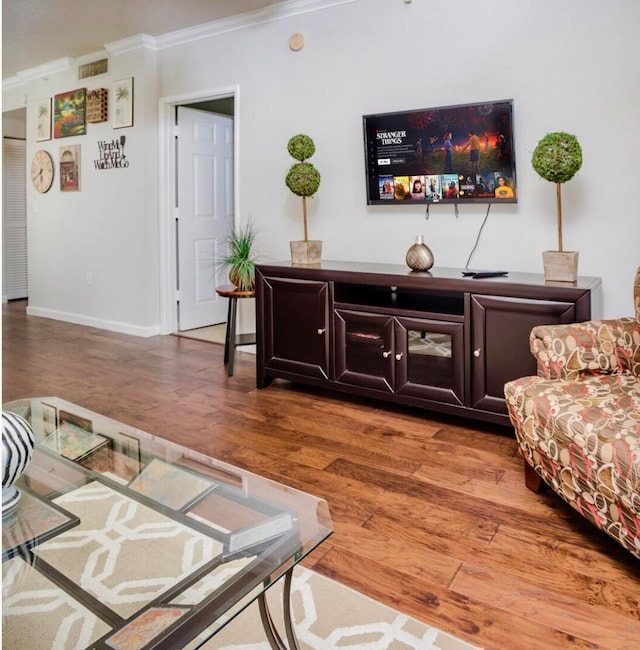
x: 419, y: 256
x: 18, y: 442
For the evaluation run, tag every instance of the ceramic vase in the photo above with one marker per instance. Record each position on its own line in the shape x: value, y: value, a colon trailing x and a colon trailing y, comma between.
x: 18, y: 442
x: 419, y: 256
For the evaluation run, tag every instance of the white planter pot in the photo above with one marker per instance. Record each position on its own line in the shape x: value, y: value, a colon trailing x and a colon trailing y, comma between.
x: 560, y: 266
x: 306, y: 252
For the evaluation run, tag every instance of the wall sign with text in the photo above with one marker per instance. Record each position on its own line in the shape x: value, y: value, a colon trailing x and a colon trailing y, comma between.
x: 111, y: 154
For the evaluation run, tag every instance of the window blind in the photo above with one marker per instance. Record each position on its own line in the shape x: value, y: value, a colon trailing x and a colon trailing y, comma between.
x: 14, y: 218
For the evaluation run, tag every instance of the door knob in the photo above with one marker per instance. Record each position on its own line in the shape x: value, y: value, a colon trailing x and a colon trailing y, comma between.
x: 321, y: 331
x: 399, y: 356
x: 386, y: 354
x: 476, y: 353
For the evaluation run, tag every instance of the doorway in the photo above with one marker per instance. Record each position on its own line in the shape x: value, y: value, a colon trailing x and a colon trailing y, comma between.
x: 195, y: 217
x: 204, y: 215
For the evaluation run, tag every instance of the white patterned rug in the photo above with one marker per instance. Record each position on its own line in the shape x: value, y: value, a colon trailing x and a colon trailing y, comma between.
x: 330, y: 616
x: 114, y: 564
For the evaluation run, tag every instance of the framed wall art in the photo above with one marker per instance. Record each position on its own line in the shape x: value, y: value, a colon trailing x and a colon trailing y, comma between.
x: 97, y: 105
x: 122, y: 103
x: 43, y: 119
x: 69, y: 113
x: 70, y: 171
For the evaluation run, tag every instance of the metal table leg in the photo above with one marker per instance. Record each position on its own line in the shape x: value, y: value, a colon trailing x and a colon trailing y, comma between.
x: 274, y: 638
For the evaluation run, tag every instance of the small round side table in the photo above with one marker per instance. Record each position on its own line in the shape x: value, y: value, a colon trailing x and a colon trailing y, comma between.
x: 231, y: 339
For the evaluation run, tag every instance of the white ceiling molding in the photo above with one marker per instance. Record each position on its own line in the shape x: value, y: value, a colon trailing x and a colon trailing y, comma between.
x: 140, y: 41
x: 12, y: 82
x: 242, y: 21
x: 280, y: 11
x: 87, y: 58
x: 43, y: 71
x: 39, y: 72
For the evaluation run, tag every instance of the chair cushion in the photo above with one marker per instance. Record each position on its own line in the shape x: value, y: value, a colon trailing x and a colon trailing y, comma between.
x: 583, y: 438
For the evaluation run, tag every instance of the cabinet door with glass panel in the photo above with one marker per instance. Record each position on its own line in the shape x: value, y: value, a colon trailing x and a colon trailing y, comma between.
x: 364, y: 354
x: 429, y: 359
x: 412, y: 357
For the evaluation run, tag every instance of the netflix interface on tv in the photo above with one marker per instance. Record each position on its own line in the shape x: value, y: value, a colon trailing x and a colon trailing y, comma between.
x: 458, y: 153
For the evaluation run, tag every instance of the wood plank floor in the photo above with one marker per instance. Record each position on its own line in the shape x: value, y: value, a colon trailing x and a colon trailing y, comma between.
x: 430, y: 513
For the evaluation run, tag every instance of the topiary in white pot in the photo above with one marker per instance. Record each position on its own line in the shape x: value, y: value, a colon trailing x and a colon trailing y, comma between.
x: 303, y: 179
x: 557, y: 158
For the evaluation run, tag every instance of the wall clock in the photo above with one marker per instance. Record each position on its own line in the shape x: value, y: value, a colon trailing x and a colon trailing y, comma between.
x: 42, y: 171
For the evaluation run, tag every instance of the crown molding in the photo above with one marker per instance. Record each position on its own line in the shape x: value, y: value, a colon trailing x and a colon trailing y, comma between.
x: 280, y: 11
x: 140, y: 41
x: 12, y: 82
x: 88, y: 58
x: 46, y: 69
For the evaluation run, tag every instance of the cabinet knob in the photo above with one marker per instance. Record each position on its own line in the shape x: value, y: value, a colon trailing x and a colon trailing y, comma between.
x: 321, y: 331
x: 399, y: 356
x: 476, y: 353
x: 386, y: 354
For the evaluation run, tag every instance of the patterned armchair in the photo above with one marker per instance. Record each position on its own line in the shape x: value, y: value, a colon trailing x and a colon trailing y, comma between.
x: 578, y: 422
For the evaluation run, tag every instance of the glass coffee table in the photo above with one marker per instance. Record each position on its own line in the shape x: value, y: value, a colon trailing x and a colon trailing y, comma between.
x: 123, y: 540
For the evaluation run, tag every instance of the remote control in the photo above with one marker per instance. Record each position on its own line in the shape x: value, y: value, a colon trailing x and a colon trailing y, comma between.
x: 489, y: 274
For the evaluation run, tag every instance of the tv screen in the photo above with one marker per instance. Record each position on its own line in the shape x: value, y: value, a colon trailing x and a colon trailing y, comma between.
x: 450, y: 154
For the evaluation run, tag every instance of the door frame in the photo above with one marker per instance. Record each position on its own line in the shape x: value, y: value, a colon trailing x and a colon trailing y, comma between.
x: 167, y: 230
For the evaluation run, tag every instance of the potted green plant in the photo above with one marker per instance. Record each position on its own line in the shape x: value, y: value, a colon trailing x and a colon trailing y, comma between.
x: 557, y: 158
x: 303, y: 179
x: 240, y: 257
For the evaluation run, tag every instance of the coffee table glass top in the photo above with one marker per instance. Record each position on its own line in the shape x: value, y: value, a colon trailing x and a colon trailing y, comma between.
x: 124, y: 540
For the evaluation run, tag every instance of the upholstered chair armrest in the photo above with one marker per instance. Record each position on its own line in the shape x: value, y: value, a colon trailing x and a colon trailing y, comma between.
x: 593, y: 347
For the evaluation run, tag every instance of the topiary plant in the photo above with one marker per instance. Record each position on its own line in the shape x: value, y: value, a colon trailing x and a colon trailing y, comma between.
x: 557, y: 158
x: 303, y: 179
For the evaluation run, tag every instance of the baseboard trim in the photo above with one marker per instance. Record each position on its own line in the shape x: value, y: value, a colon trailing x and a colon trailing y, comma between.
x: 79, y: 319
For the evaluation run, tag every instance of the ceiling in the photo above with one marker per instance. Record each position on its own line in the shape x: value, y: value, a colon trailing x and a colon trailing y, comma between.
x: 35, y: 32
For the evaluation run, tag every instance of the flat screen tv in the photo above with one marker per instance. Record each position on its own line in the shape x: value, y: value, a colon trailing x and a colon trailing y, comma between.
x: 449, y: 154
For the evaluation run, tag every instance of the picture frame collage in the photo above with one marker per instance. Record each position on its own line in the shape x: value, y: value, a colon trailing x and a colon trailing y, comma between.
x: 68, y: 113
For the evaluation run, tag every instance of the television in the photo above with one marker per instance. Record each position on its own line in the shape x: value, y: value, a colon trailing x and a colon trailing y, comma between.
x: 449, y: 154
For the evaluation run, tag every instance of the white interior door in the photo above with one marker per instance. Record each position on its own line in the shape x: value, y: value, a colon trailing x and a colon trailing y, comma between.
x: 205, y: 214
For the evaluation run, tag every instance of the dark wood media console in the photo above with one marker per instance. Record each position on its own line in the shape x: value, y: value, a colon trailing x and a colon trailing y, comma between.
x: 435, y: 340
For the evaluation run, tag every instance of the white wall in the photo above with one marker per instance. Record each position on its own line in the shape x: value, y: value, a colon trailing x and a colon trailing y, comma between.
x: 14, y: 124
x: 93, y: 254
x: 570, y: 65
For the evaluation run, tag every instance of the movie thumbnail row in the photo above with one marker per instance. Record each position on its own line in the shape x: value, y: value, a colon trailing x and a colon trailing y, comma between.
x: 445, y: 187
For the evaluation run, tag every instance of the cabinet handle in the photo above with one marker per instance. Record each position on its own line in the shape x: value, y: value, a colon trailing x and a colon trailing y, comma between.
x: 476, y: 353
x: 399, y: 356
x: 321, y: 331
x: 387, y: 354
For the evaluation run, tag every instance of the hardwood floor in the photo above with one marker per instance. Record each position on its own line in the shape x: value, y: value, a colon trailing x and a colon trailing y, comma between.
x: 431, y: 514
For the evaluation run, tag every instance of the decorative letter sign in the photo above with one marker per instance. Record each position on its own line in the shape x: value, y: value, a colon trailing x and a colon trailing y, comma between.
x: 111, y: 154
